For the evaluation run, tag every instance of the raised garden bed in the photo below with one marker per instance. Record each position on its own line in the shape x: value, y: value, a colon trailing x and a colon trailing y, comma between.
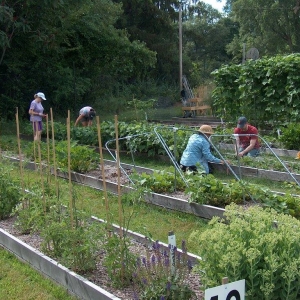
x: 87, y: 287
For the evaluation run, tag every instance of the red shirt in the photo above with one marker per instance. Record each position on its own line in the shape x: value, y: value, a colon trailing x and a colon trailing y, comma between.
x: 245, y: 140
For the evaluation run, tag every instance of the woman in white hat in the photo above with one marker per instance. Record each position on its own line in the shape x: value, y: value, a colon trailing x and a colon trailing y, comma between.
x: 36, y: 112
x: 198, y: 152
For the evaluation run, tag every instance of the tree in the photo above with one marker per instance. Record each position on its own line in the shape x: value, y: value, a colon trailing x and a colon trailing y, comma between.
x: 206, y: 34
x: 271, y: 26
x: 63, y: 48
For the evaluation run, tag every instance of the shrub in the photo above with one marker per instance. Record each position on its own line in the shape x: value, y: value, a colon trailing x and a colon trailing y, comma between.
x: 290, y: 136
x: 260, y: 246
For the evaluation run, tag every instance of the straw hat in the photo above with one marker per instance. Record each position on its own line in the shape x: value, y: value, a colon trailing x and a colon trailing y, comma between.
x: 206, y: 129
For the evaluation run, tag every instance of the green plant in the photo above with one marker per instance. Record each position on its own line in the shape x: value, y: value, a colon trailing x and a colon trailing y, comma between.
x: 265, y: 89
x: 82, y: 158
x: 11, y: 192
x: 207, y: 189
x: 260, y: 246
x: 163, y: 275
x: 119, y: 261
x: 80, y: 246
x: 159, y: 181
x: 290, y: 136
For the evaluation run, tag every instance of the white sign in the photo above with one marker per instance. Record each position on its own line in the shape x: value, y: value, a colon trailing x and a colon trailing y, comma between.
x: 231, y: 291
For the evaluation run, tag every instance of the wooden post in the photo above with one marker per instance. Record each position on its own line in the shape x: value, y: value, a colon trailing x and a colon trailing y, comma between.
x: 20, y: 154
x: 54, y: 155
x: 69, y: 170
x: 119, y: 176
x: 103, y: 171
x: 48, y: 149
x: 41, y: 173
x: 225, y: 280
x: 0, y: 143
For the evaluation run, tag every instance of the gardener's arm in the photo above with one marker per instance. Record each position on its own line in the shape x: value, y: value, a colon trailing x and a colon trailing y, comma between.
x: 249, y: 148
x: 78, y: 119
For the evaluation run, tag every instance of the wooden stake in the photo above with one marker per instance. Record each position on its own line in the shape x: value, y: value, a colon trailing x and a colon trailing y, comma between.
x: 119, y: 197
x: 41, y: 174
x: 119, y: 176
x: 20, y: 153
x: 34, y: 127
x: 48, y: 149
x: 225, y: 280
x: 54, y: 156
x: 69, y: 170
x: 103, y: 171
x: 0, y: 144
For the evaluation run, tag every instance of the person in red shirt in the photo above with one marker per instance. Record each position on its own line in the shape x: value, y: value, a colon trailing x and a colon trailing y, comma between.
x: 247, y: 144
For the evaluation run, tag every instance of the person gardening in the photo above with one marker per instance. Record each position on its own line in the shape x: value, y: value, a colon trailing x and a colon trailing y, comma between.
x: 86, y: 116
x: 198, y: 151
x: 36, y: 112
x: 246, y: 138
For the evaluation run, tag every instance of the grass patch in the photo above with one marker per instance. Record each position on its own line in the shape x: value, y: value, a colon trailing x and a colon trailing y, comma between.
x: 19, y: 281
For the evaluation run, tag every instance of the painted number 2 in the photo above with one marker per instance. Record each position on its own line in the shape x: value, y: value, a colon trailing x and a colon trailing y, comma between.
x: 233, y: 293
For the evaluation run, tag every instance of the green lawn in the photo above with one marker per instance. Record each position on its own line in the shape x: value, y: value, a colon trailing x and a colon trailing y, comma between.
x: 20, y: 281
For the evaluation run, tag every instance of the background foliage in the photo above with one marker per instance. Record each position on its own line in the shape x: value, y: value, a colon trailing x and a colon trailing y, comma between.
x: 265, y: 90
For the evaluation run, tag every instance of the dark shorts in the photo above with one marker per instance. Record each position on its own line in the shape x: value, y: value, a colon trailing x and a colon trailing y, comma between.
x: 190, y: 168
x: 37, y: 126
x: 87, y: 118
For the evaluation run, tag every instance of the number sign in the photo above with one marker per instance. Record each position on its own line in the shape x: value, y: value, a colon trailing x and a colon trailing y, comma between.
x: 230, y: 291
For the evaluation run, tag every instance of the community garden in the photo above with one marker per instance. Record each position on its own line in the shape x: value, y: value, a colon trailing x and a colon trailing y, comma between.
x: 253, y: 231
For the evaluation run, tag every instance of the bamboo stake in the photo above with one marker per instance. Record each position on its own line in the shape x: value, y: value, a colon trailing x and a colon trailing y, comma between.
x: 41, y: 174
x: 54, y: 154
x: 20, y: 153
x: 48, y: 148
x: 119, y: 176
x: 69, y: 169
x: 0, y: 143
x: 119, y: 196
x: 103, y: 171
x: 34, y: 128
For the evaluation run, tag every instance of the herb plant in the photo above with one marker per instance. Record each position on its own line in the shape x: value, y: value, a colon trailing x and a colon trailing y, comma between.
x: 158, y: 276
x: 261, y: 246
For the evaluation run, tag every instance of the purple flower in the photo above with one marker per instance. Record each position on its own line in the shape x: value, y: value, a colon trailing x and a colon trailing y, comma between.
x: 155, y: 245
x: 153, y: 259
x: 166, y: 262
x: 162, y: 298
x: 144, y: 281
x: 144, y: 261
x: 168, y: 286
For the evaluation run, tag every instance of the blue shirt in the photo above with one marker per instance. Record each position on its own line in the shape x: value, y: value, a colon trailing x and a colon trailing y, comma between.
x: 197, y: 151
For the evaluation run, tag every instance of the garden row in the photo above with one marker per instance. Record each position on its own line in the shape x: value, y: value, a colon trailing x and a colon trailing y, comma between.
x: 243, y: 257
x: 144, y: 140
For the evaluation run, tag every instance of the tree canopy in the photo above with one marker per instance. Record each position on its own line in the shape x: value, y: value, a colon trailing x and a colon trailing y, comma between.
x: 88, y: 51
